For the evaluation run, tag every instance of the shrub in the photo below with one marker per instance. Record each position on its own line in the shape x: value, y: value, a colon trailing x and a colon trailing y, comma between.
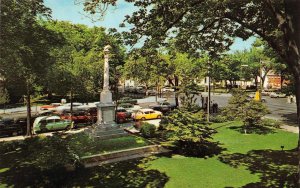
x: 188, y: 130
x: 218, y: 119
x: 148, y: 130
x: 50, y: 152
x: 240, y: 107
x: 270, y: 123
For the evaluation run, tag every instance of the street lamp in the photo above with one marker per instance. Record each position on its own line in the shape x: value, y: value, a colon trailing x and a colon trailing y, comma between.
x: 211, y: 52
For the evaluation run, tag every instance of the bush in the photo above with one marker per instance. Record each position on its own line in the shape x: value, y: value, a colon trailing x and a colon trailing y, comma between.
x: 270, y: 123
x: 218, y: 119
x: 189, y: 132
x: 240, y: 107
x: 148, y: 130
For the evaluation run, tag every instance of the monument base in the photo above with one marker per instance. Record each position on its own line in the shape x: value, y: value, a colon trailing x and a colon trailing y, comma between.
x: 106, y: 127
x: 106, y: 113
x: 106, y: 131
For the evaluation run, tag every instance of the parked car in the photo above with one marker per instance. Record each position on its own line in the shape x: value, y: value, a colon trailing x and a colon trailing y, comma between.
x: 167, y: 89
x: 47, y: 113
x: 163, y: 106
x: 130, y: 107
x: 144, y: 114
x: 140, y: 89
x: 52, y: 123
x: 93, y: 113
x: 80, y: 117
x: 127, y: 100
x: 265, y: 93
x: 277, y: 95
x: 121, y: 117
x: 151, y: 92
x: 67, y: 106
x: 11, y: 127
x: 251, y: 96
x: 130, y: 89
x: 50, y: 106
x: 127, y: 113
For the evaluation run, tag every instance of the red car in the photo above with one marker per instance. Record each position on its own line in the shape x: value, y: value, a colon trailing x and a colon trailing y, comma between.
x: 51, y: 106
x: 121, y: 116
x: 78, y: 117
x: 92, y: 112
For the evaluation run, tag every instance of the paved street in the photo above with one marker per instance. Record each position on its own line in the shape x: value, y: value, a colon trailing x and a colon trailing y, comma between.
x: 278, y: 107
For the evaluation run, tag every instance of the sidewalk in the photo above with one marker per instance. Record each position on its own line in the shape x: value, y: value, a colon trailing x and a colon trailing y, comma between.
x: 290, y: 128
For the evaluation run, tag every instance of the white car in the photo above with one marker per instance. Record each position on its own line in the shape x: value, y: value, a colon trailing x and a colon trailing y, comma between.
x: 167, y: 89
x: 277, y: 95
x: 67, y: 106
x: 130, y: 107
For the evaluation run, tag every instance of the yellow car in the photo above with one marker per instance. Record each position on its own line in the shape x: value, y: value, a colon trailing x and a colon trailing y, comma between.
x: 144, y: 114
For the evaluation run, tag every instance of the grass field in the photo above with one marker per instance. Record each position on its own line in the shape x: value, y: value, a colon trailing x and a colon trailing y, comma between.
x: 250, y: 160
x: 246, y: 160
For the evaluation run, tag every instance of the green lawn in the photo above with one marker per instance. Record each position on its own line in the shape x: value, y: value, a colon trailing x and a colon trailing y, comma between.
x: 251, y: 160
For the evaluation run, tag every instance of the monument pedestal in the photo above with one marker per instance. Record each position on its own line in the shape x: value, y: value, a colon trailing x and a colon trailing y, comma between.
x: 106, y: 113
x: 106, y: 126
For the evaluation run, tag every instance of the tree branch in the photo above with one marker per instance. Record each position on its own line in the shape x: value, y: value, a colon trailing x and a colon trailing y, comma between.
x: 271, y: 42
x: 276, y: 12
x: 181, y: 16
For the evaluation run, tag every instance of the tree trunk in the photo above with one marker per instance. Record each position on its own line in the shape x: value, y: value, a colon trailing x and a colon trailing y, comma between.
x: 29, y: 129
x: 256, y: 83
x: 291, y: 30
x: 156, y: 95
x: 71, y: 101
x: 297, y: 86
x: 176, y: 90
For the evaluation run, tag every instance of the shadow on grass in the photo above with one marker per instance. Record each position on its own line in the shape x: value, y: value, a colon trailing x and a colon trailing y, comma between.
x: 191, y: 149
x: 18, y: 169
x: 130, y: 173
x: 276, y: 168
x: 254, y: 129
x: 290, y: 119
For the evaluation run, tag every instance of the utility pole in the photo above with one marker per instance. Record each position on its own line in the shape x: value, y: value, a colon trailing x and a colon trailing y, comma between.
x: 208, y: 89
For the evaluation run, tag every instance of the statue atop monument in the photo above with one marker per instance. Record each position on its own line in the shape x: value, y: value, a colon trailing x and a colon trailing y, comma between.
x: 107, y: 49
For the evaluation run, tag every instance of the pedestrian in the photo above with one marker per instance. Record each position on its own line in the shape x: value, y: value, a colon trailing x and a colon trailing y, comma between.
x: 214, y: 108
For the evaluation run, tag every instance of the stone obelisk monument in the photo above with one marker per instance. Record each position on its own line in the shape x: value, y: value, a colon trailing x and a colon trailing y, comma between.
x: 106, y: 108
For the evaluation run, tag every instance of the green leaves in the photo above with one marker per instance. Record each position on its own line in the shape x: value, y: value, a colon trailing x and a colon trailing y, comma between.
x: 247, y: 110
x: 186, y: 126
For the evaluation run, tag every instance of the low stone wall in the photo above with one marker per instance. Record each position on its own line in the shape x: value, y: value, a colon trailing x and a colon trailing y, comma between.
x: 94, y: 160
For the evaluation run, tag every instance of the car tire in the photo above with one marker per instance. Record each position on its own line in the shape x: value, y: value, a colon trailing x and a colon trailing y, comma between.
x: 159, y: 116
x: 121, y: 120
x: 69, y: 127
x: 143, y: 118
